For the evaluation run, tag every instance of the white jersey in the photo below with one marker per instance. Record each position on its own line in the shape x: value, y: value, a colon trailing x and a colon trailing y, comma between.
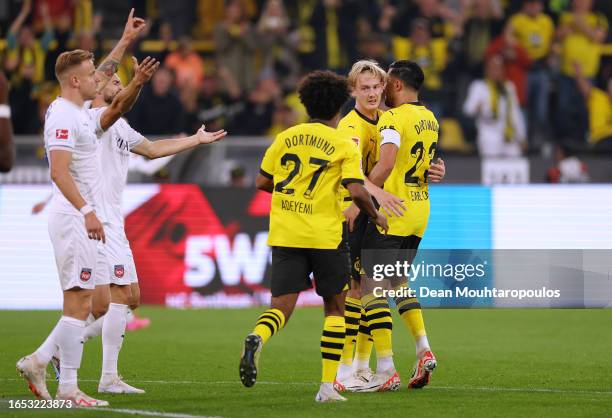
x: 76, y: 129
x: 114, y: 155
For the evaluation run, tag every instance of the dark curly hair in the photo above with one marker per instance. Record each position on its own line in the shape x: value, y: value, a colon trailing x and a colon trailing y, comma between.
x: 323, y: 93
x: 409, y: 72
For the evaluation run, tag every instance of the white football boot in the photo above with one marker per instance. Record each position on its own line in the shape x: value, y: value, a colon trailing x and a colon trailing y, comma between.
x: 114, y: 384
x: 327, y: 393
x: 35, y: 374
x: 385, y: 381
x: 78, y: 398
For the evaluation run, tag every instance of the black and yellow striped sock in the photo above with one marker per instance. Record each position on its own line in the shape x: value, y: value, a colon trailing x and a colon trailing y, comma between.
x: 410, y: 311
x: 269, y: 323
x: 363, y: 346
x: 332, y: 343
x: 352, y: 313
x: 378, y: 316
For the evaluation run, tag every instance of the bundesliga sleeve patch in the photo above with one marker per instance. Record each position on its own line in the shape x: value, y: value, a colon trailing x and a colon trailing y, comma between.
x: 61, y: 134
x: 85, y: 274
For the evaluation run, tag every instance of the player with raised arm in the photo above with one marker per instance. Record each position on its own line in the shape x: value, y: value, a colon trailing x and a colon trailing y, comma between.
x: 408, y: 135
x: 115, y: 278
x: 76, y: 212
x: 303, y: 169
x: 367, y: 82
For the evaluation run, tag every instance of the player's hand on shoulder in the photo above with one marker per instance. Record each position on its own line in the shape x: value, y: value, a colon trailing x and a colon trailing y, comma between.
x: 351, y: 214
x: 436, y: 172
x: 144, y: 70
x: 205, y: 137
x: 381, y: 221
x: 391, y: 204
x: 94, y: 227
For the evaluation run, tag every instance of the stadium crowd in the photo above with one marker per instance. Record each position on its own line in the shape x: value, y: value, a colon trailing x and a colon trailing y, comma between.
x: 508, y: 75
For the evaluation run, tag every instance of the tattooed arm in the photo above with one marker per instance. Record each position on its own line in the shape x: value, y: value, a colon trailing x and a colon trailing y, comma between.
x: 105, y: 71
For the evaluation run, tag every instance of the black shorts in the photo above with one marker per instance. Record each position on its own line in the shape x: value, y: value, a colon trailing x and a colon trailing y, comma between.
x: 291, y: 268
x: 355, y: 240
x: 378, y: 248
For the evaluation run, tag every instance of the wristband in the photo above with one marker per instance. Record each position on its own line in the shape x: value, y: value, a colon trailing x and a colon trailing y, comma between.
x: 85, y: 210
x: 5, y: 111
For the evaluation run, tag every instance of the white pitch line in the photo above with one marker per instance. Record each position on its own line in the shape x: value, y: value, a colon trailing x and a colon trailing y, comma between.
x: 465, y: 388
x: 147, y: 413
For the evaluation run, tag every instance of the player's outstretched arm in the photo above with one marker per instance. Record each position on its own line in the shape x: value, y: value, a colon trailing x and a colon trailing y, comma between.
x: 171, y: 146
x: 105, y: 71
x: 123, y: 102
x: 59, y: 161
x: 363, y: 200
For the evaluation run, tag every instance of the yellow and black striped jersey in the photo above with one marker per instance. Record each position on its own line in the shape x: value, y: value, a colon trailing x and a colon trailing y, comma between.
x: 414, y: 130
x: 308, y: 163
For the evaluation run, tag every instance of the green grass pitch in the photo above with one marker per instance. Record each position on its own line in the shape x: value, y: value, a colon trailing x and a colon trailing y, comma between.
x: 492, y: 363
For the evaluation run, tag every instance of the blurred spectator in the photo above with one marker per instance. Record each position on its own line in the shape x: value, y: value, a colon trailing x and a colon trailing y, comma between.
x: 334, y: 23
x: 158, y: 111
x: 219, y: 106
x: 6, y: 132
x: 277, y: 44
x: 535, y: 31
x: 256, y: 117
x: 26, y: 55
x: 567, y: 169
x: 236, y: 43
x: 180, y: 14
x: 431, y: 55
x: 599, y: 104
x: 516, y: 61
x: 441, y: 19
x: 581, y: 32
x: 160, y: 48
x: 283, y: 118
x: 238, y: 177
x: 494, y: 104
x: 374, y: 46
x: 482, y: 26
x: 186, y: 64
x: 209, y: 12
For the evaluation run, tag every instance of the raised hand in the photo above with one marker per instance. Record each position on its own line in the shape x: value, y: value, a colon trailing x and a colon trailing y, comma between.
x: 133, y: 27
x: 145, y: 70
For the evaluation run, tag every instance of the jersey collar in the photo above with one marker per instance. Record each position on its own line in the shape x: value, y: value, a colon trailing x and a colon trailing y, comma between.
x: 364, y: 117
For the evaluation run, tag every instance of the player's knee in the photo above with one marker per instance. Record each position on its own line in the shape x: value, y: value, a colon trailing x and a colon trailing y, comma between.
x: 98, y: 310
x: 121, y: 294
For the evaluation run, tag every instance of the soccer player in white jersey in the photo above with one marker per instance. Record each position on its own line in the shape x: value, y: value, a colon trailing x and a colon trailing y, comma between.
x: 76, y: 212
x: 115, y: 275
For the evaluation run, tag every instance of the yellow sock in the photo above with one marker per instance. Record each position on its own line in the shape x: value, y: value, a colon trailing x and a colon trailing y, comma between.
x: 269, y: 323
x: 380, y: 322
x: 332, y: 343
x: 352, y: 313
x: 410, y: 311
x: 364, y: 344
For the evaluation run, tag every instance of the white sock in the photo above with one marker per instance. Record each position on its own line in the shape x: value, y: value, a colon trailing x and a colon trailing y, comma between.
x: 48, y: 348
x: 344, y: 371
x: 384, y: 363
x: 422, y: 344
x: 130, y: 316
x: 70, y: 341
x: 94, y: 329
x: 112, y: 337
x: 360, y: 364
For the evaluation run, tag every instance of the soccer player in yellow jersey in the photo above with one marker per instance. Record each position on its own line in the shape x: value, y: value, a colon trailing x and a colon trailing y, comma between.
x: 367, y: 82
x: 303, y: 169
x: 408, y: 135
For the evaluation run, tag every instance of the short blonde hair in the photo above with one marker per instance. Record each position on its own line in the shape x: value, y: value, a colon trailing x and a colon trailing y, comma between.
x: 365, y: 66
x: 69, y: 59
